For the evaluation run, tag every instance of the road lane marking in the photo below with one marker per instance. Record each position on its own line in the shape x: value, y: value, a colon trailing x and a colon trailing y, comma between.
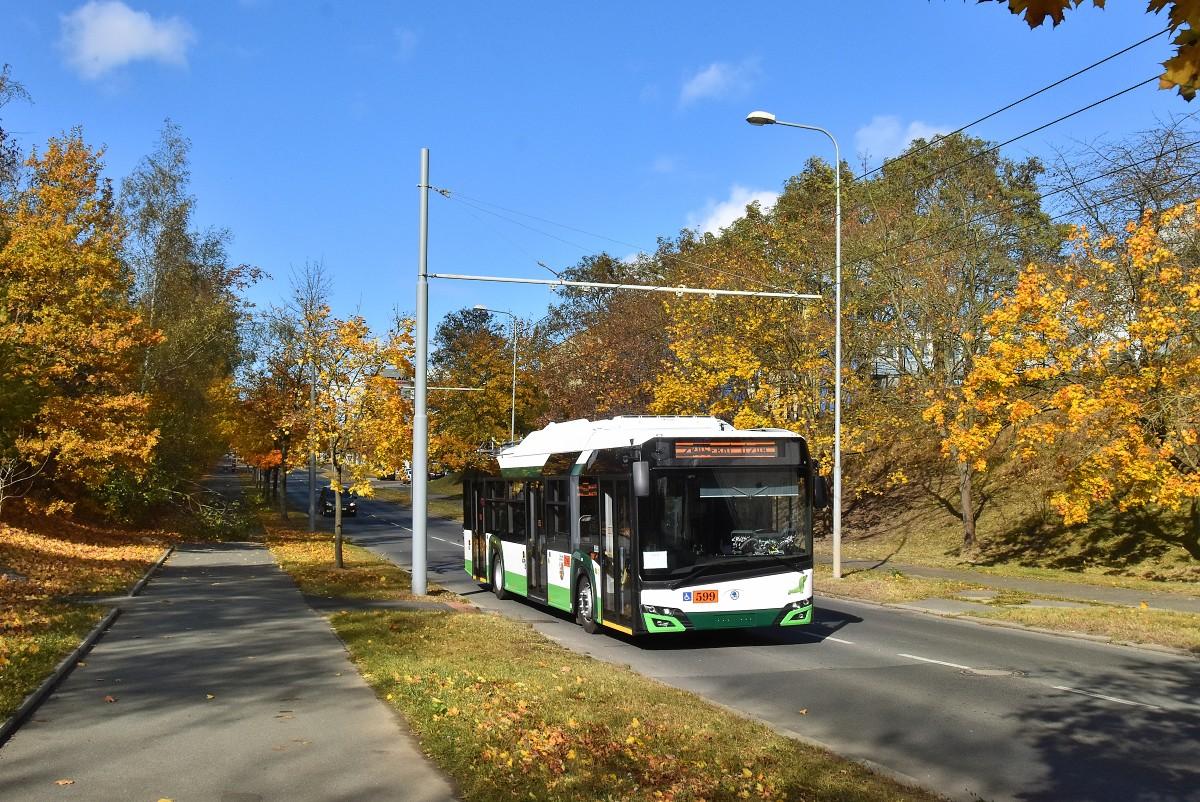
x: 1106, y: 698
x: 938, y: 662
x: 451, y: 542
x: 818, y: 637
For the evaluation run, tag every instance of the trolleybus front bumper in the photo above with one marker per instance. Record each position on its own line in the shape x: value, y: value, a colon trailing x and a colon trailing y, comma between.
x: 671, y: 619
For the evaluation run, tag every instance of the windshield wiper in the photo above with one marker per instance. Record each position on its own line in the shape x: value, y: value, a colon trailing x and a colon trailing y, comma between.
x: 695, y: 572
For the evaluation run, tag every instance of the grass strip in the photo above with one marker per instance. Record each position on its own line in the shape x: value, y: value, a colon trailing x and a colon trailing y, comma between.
x: 886, y: 587
x: 508, y: 714
x: 444, y: 496
x: 308, y: 557
x: 1126, y: 624
x: 32, y: 642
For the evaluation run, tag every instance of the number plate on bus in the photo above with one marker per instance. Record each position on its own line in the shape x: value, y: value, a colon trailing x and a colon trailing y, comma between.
x: 704, y: 597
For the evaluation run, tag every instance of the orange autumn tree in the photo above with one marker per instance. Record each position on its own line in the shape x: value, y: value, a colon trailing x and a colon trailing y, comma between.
x: 1095, y: 366
x: 350, y: 427
x: 70, y: 340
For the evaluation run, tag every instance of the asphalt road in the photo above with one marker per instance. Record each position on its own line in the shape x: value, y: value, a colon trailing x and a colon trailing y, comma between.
x: 967, y: 710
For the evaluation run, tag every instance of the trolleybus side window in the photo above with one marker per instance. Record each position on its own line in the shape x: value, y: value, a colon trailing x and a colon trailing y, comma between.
x: 516, y: 507
x: 558, y: 526
x: 589, y: 515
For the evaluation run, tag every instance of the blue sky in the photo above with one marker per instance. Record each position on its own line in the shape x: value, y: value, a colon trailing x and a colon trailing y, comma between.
x: 621, y: 119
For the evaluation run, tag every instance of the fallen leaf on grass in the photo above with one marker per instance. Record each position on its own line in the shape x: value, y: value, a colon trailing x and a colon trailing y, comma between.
x: 64, y: 782
x: 803, y: 711
x: 110, y: 699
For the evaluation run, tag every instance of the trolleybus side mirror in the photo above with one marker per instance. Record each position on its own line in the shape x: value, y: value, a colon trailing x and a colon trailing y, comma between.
x: 641, y: 478
x: 821, y: 492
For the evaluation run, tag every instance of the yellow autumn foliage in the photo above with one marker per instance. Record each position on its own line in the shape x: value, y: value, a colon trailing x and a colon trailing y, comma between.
x: 1095, y: 364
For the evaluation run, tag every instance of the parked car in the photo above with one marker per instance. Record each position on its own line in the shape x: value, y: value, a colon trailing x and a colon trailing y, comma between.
x: 349, y: 503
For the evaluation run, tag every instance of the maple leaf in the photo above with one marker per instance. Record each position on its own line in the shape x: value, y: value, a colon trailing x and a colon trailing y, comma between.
x: 1036, y: 11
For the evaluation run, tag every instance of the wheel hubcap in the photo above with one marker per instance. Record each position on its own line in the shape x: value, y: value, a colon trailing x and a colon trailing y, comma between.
x: 498, y: 574
x: 585, y: 601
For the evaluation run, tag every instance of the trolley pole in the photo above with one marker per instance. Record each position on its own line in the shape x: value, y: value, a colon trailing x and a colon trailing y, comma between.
x: 420, y: 452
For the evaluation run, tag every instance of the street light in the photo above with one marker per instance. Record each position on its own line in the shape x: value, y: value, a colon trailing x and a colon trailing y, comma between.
x: 767, y: 118
x: 512, y: 424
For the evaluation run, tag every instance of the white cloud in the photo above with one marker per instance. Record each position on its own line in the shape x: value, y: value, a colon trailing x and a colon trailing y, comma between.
x: 886, y: 135
x: 719, y: 79
x: 717, y: 215
x: 102, y: 35
x: 406, y: 43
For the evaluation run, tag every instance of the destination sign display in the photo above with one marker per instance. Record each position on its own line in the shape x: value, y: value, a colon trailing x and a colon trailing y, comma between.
x: 724, y: 449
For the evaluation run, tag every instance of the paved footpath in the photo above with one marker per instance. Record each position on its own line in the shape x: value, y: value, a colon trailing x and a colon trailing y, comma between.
x: 227, y: 687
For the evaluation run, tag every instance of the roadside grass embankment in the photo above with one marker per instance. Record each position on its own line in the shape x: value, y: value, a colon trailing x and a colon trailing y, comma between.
x: 48, y: 567
x: 308, y: 558
x: 508, y: 714
x: 1133, y: 625
x: 444, y: 496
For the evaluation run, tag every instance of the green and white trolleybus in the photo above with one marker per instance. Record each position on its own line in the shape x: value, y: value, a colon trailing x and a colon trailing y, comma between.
x: 649, y: 524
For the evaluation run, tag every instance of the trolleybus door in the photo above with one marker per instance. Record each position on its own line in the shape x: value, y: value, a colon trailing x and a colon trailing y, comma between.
x: 479, y: 566
x: 535, y: 543
x: 617, y: 560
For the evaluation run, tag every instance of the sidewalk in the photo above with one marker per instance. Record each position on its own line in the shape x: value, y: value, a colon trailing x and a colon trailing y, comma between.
x: 224, y: 685
x: 1121, y: 597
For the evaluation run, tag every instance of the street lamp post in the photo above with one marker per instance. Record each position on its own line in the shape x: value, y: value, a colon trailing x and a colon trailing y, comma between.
x: 766, y: 118
x: 512, y: 422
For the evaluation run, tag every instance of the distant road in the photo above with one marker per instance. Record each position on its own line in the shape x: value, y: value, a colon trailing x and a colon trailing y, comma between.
x: 967, y: 710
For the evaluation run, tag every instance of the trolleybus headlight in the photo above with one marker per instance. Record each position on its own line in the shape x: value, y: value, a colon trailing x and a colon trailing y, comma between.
x: 655, y: 610
x: 796, y: 605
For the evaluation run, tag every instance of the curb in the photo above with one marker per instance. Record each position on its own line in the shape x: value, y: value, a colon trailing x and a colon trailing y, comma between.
x: 64, y: 667
x: 67, y: 664
x: 141, y: 583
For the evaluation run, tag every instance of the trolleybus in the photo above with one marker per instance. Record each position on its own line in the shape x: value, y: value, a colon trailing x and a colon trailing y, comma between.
x: 649, y: 524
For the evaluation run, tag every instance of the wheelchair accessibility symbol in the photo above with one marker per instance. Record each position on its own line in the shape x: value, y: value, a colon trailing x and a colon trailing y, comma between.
x: 687, y: 595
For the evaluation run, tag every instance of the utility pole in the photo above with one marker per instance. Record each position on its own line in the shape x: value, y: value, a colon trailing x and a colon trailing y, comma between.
x: 420, y: 459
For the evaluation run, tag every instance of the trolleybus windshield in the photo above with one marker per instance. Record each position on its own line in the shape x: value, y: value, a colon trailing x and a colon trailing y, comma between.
x: 723, y: 516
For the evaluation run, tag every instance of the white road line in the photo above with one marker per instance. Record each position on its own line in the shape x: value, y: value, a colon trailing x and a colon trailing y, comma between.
x: 451, y: 542
x: 1106, y: 698
x: 817, y: 636
x: 938, y: 662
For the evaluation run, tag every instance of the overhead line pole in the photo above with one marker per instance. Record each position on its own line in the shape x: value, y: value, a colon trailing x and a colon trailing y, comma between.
x: 420, y: 460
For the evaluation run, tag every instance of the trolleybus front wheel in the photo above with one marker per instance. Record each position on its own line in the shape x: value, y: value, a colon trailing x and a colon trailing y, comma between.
x: 498, y: 577
x: 585, y: 608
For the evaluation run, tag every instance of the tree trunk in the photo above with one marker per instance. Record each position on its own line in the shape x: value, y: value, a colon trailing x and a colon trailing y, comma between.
x: 274, y: 482
x: 283, y: 510
x: 1191, y: 535
x: 968, y: 509
x: 337, y: 522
